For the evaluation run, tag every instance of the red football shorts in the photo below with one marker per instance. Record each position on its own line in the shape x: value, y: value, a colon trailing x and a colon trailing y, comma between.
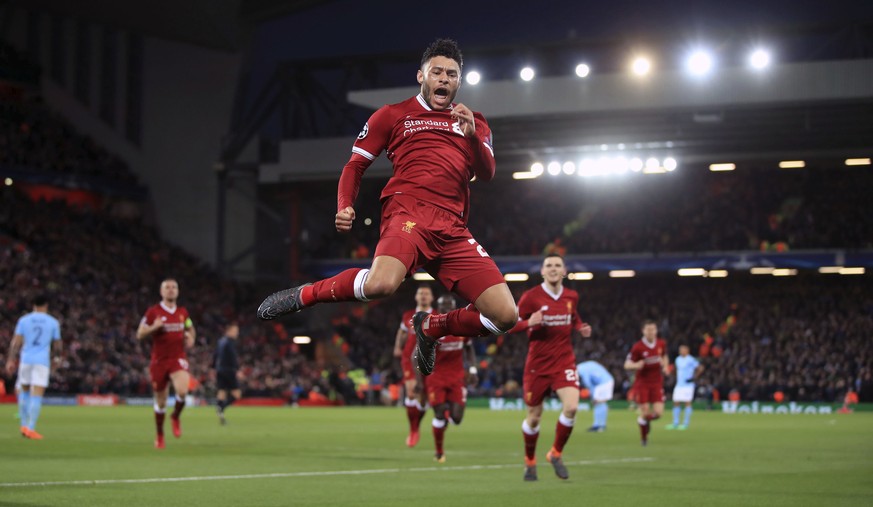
x: 645, y: 393
x: 161, y: 371
x: 446, y: 393
x: 420, y: 234
x: 538, y: 387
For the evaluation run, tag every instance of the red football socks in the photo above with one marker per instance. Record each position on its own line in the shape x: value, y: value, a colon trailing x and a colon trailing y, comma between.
x: 460, y: 322
x: 530, y: 445
x: 159, y: 422
x: 414, y: 415
x: 562, y: 434
x: 644, y: 428
x: 340, y: 287
x: 439, y: 435
x: 177, y: 410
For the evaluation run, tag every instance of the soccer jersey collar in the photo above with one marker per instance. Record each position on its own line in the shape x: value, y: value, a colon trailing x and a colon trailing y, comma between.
x: 168, y: 309
x: 551, y: 295
x: 424, y: 104
x: 647, y: 343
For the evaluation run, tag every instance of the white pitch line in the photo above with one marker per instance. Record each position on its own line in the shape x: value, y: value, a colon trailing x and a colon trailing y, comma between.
x: 101, y: 482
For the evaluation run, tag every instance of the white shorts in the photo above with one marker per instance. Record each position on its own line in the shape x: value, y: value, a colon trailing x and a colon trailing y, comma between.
x: 603, y: 392
x: 33, y: 375
x: 683, y: 393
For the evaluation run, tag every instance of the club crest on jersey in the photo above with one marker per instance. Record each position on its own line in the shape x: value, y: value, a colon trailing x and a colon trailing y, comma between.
x: 569, y: 306
x: 364, y: 131
x: 407, y: 226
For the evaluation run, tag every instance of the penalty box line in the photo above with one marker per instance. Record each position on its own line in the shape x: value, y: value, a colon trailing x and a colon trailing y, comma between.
x: 102, y: 482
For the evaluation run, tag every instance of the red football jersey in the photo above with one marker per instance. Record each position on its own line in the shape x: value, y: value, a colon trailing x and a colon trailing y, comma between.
x: 551, y: 348
x: 651, y: 354
x: 431, y: 156
x: 449, y: 365
x: 169, y: 341
x: 406, y: 325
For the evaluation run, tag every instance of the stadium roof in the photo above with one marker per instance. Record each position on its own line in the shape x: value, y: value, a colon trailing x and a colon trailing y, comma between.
x: 217, y: 24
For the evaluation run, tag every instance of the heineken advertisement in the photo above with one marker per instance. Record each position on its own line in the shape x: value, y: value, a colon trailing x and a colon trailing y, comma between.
x: 725, y: 407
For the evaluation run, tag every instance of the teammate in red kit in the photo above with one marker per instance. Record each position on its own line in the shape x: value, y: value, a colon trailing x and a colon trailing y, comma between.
x: 648, y: 358
x: 447, y: 387
x: 416, y: 398
x: 172, y: 332
x: 551, y: 316
x: 436, y: 147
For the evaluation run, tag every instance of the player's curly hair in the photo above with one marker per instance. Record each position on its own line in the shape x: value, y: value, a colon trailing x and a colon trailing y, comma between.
x: 443, y: 47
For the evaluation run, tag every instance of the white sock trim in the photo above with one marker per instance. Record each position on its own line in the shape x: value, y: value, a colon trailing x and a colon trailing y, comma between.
x: 360, y: 280
x: 409, y: 402
x: 525, y: 427
x: 180, y: 399
x: 438, y: 423
x: 417, y: 404
x: 159, y: 410
x: 566, y: 421
x: 641, y: 421
x: 489, y: 325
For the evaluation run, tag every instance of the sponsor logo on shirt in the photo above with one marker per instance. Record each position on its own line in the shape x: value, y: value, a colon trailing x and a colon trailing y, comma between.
x: 557, y: 320
x: 413, y: 126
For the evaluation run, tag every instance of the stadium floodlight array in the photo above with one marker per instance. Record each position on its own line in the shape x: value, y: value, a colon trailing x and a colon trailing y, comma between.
x: 699, y: 63
x: 857, y: 161
x: 516, y: 277
x: 714, y: 273
x: 600, y: 166
x: 473, y: 77
x: 582, y: 70
x: 841, y: 270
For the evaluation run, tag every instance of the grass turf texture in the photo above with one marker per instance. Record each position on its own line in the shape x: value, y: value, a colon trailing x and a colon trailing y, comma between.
x: 748, y: 460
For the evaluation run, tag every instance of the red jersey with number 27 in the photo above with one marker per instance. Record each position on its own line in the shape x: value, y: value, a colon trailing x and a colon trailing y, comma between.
x: 431, y: 156
x: 168, y: 343
x: 551, y: 348
x: 650, y: 373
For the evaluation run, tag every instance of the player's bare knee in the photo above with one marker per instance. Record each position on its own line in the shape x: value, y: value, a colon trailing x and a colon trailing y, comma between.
x: 533, y: 420
x: 505, y: 319
x: 570, y: 412
x: 379, y: 288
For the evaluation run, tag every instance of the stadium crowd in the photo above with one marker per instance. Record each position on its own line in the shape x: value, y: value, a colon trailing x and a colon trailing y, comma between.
x: 804, y: 336
x: 691, y: 212
x: 100, y: 273
x: 34, y: 137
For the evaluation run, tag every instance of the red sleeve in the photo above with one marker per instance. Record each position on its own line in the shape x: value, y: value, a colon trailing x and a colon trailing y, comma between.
x: 483, y: 163
x: 149, y: 317
x: 634, y: 354
x: 525, y: 309
x: 373, y: 139
x: 371, y: 142
x: 576, y: 320
x: 350, y: 181
x: 525, y: 306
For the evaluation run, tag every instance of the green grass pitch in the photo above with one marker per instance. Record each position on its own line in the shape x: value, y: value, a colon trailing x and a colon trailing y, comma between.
x: 357, y: 457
